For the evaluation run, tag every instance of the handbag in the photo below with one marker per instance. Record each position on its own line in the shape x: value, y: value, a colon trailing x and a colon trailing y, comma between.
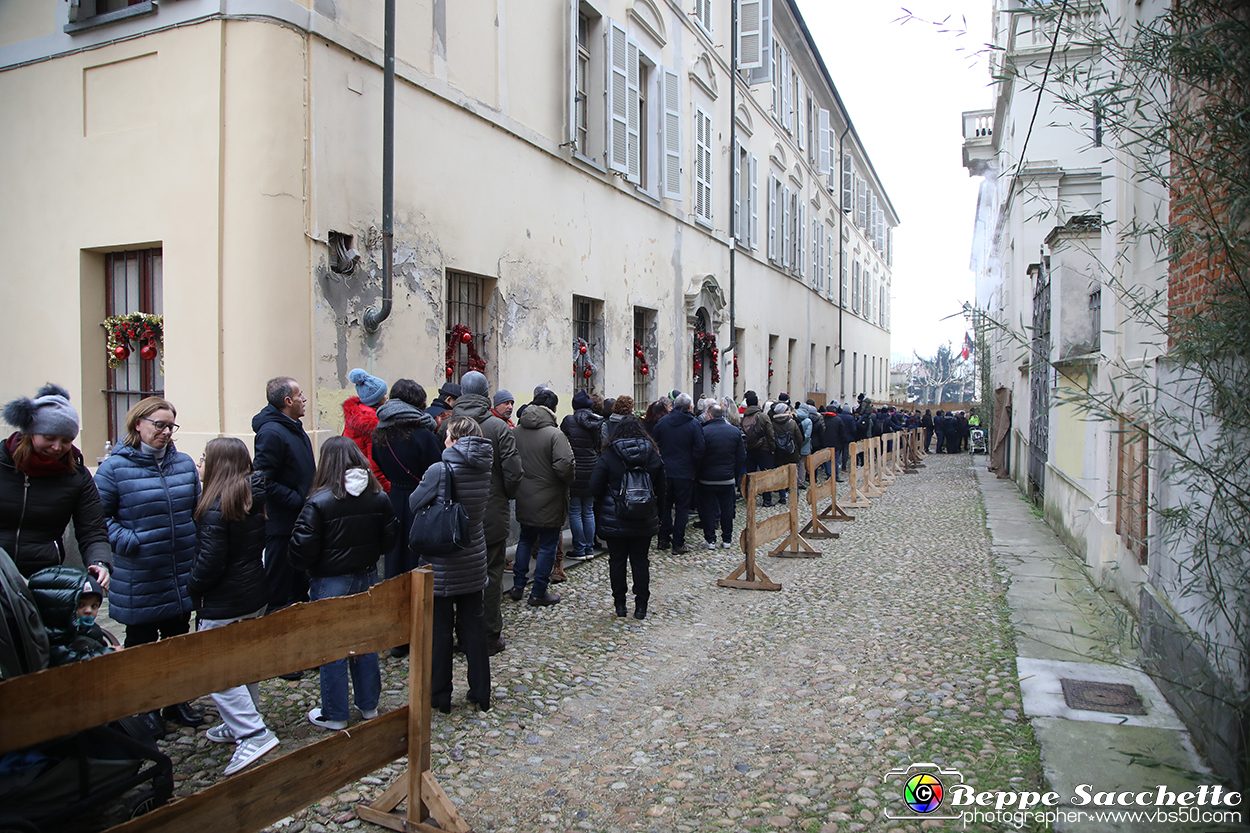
x: 442, y: 527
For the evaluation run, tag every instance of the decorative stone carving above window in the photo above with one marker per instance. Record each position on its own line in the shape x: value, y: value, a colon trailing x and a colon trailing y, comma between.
x: 648, y: 17
x: 703, y: 74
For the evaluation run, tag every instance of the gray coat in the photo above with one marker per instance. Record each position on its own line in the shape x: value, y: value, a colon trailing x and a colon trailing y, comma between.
x: 470, y: 460
x: 505, y: 470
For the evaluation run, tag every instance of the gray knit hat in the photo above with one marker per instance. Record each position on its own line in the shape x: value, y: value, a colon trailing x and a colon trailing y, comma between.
x: 48, y: 413
x: 502, y: 396
x: 475, y: 383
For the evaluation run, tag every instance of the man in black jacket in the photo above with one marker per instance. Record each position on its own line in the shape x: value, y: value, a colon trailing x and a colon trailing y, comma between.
x: 680, y: 439
x: 724, y: 455
x: 284, y: 455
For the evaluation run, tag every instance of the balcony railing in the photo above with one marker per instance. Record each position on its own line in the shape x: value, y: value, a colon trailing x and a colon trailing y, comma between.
x: 978, y: 140
x: 978, y: 124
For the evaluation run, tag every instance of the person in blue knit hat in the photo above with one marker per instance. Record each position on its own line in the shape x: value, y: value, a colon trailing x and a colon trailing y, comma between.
x: 360, y: 416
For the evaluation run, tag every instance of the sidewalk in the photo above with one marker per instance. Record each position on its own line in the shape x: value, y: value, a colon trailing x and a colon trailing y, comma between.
x: 1066, y: 628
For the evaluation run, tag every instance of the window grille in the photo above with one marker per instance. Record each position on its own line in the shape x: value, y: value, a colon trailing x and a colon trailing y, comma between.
x: 132, y: 283
x: 644, y: 334
x: 466, y: 304
x: 1133, y: 489
x: 586, y: 326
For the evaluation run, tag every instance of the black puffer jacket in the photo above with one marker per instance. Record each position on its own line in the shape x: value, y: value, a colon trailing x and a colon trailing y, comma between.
x: 339, y: 537
x: 470, y: 459
x: 584, y: 428
x: 724, y: 453
x: 34, y: 512
x: 284, y: 455
x: 228, y: 576
x: 605, y: 483
x: 56, y: 591
x: 506, y: 470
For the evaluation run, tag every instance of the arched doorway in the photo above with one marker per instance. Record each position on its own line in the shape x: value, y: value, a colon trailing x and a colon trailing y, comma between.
x: 705, y: 307
x: 704, y: 361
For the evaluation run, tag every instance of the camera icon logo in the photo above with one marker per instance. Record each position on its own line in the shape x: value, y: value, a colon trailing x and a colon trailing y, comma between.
x: 923, y: 789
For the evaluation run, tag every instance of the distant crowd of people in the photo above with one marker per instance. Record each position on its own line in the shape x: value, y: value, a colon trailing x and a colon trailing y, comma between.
x: 237, y: 536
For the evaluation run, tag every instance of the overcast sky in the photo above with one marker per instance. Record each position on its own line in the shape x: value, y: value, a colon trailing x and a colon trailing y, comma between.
x: 905, y: 86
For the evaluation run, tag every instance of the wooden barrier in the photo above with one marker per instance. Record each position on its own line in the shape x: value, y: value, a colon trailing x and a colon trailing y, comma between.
x: 873, y: 487
x: 816, y: 493
x: 748, y: 575
x: 911, y: 460
x: 49, y: 704
x: 856, y: 477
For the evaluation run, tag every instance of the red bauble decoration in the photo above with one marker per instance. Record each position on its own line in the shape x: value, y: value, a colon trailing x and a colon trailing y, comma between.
x: 638, y: 354
x: 644, y: 371
x: 122, y: 352
x: 587, y: 373
x: 147, y: 352
x: 466, y: 337
x: 582, y: 349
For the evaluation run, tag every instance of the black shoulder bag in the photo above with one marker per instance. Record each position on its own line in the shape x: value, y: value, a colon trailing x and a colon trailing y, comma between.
x: 442, y: 527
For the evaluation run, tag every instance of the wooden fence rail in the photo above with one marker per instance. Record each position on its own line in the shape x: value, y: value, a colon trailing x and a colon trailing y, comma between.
x: 59, y: 701
x: 818, y: 492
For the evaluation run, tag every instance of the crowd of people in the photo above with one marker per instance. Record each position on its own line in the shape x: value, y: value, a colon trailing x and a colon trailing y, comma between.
x: 237, y: 536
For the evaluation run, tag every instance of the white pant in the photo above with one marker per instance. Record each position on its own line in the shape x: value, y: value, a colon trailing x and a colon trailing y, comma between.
x: 239, y: 706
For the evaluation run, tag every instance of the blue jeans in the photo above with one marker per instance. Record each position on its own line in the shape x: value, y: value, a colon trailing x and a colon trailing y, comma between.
x: 366, y: 675
x: 582, y: 524
x: 547, y: 540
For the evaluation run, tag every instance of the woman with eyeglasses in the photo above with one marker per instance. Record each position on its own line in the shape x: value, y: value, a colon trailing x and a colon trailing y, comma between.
x: 149, y: 491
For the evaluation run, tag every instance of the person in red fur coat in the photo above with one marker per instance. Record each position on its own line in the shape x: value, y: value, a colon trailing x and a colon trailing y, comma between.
x: 360, y: 416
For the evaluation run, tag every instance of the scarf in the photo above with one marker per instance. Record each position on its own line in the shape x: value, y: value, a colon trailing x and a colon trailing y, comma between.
x: 37, y: 465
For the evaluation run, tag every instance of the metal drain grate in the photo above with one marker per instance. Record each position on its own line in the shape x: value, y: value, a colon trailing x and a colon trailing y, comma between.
x: 1116, y: 698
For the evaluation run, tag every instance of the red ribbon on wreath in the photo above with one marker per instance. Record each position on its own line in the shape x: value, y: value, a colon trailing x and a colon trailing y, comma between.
x: 460, y: 334
x: 735, y: 365
x: 640, y: 360
x: 706, y: 341
x: 581, y: 358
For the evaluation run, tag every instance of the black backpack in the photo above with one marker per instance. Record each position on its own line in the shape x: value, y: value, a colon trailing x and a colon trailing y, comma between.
x: 784, y: 440
x: 636, y: 499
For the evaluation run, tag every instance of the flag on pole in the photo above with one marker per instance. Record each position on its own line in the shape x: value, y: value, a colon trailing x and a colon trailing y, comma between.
x: 967, y: 351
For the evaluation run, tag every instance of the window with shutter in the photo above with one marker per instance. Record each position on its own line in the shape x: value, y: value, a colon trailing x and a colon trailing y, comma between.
x: 672, y: 135
x: 634, y: 111
x: 703, y: 165
x: 776, y: 79
x: 889, y: 246
x: 763, y: 72
x: 787, y: 93
x: 735, y: 222
x: 855, y: 285
x: 848, y: 182
x: 872, y: 220
x: 800, y: 235
x: 750, y: 34
x: 617, y: 94
x: 823, y: 160
x: 774, y: 218
x: 861, y: 207
x: 703, y: 14
x: 846, y: 284
x: 817, y: 240
x: 829, y: 270
x: 755, y: 201
x: 800, y: 102
x: 786, y: 238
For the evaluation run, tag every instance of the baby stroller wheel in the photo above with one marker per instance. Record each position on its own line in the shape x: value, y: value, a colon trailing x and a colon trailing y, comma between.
x: 145, y: 802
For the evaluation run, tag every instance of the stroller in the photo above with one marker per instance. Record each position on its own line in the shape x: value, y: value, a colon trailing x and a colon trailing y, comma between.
x: 977, y: 443
x: 44, y: 786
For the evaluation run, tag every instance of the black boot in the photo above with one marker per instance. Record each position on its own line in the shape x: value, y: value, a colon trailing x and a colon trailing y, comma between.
x: 184, y: 714
x: 640, y: 610
x: 621, y: 612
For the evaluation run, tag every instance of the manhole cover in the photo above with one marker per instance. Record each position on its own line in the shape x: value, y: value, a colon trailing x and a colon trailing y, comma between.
x: 1116, y: 698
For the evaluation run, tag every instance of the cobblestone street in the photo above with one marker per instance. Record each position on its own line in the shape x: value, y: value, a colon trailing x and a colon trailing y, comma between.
x: 727, y: 709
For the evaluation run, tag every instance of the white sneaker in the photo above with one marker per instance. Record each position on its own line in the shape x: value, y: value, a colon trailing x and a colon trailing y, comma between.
x: 220, y: 734
x: 709, y: 545
x: 369, y: 715
x: 250, y: 750
x: 315, y: 718
x: 727, y: 546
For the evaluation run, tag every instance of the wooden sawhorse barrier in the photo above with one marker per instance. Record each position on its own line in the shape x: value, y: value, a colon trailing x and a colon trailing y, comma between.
x: 59, y: 701
x: 911, y: 450
x: 816, y: 493
x: 856, y: 477
x: 748, y: 575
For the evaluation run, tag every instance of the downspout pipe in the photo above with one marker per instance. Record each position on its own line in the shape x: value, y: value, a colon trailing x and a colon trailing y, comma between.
x: 374, y: 316
x: 733, y: 151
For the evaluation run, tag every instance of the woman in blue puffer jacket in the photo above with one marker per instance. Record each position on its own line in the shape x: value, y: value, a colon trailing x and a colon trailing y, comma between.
x: 149, y: 490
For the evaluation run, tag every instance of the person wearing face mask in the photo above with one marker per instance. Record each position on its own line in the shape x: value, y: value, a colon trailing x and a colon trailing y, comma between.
x: 149, y: 489
x: 44, y: 485
x: 69, y: 600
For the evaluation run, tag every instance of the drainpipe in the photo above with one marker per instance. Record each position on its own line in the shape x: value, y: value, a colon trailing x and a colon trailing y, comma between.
x: 733, y: 151
x: 841, y: 243
x: 373, y: 315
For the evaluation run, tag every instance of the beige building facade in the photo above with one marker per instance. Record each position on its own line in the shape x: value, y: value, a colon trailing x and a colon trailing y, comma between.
x: 563, y: 171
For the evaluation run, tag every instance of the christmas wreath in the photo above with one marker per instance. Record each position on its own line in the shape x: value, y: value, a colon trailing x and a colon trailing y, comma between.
x: 640, y: 360
x: 143, y: 328
x: 460, y: 334
x: 581, y: 358
x: 706, y: 341
x: 735, y: 364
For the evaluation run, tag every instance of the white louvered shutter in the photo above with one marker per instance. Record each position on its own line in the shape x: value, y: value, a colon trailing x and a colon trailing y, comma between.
x: 736, y: 224
x: 617, y: 96
x: 830, y: 274
x: 672, y: 135
x: 787, y: 92
x: 755, y: 202
x: 703, y: 165
x: 800, y: 106
x: 872, y: 221
x: 762, y: 73
x: 750, y: 34
x: 822, y: 131
x: 773, y: 186
x: 785, y: 226
x: 570, y: 70
x: 816, y: 241
x: 861, y: 210
x: 848, y: 183
x: 633, y: 124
